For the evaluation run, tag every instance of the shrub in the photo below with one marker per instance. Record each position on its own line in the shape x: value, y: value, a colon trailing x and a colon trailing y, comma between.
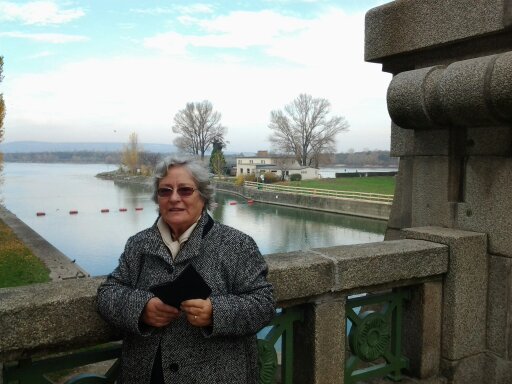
x: 296, y: 177
x: 239, y: 181
x: 270, y: 177
x: 250, y: 177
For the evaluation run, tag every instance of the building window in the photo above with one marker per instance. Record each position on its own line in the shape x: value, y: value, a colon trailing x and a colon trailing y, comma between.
x: 248, y: 171
x: 262, y: 161
x: 250, y: 161
x: 239, y: 161
x: 241, y: 170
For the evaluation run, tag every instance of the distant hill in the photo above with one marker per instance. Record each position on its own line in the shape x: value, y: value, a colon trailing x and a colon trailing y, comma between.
x: 42, y: 146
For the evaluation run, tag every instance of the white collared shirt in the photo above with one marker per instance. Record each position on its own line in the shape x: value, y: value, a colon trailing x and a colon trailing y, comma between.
x: 174, y: 245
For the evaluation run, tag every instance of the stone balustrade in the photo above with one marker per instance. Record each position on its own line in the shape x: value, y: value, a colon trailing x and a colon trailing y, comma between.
x: 55, y: 317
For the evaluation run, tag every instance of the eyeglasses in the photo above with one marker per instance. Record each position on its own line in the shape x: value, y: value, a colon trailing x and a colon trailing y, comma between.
x: 182, y: 191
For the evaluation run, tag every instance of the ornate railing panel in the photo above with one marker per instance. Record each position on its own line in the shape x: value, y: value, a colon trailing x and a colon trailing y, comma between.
x: 30, y: 371
x: 40, y: 371
x: 375, y: 337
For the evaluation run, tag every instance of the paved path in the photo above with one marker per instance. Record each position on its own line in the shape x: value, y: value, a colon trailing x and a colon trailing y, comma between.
x: 60, y: 266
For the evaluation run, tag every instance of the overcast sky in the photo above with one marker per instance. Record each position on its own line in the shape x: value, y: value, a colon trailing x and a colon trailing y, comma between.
x: 98, y: 70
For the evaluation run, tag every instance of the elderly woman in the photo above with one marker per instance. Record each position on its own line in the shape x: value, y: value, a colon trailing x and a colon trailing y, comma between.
x: 208, y: 340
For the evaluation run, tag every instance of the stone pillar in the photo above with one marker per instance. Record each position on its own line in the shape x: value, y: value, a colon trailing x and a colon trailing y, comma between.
x: 464, y: 307
x: 450, y: 102
x: 422, y: 329
x: 319, y: 345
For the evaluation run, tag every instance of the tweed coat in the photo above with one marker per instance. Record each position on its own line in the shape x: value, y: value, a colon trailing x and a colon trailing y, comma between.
x: 242, y: 301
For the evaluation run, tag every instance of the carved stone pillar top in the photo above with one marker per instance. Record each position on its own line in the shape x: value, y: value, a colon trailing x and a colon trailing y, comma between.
x: 469, y: 93
x: 409, y: 34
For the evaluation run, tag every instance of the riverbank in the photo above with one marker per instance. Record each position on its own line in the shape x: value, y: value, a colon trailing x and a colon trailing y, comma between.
x: 18, y: 265
x: 352, y: 207
x: 59, y: 265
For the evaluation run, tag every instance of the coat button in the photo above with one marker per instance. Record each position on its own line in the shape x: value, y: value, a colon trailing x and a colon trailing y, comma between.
x: 174, y: 367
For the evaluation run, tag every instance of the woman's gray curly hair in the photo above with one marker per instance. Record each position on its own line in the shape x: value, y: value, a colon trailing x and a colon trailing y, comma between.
x: 197, y: 170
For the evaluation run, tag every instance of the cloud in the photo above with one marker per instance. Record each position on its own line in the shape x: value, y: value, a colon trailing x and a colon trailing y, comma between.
x: 53, y: 38
x: 38, y: 13
x: 238, y: 29
x: 41, y: 54
x: 319, y: 41
x: 188, y: 9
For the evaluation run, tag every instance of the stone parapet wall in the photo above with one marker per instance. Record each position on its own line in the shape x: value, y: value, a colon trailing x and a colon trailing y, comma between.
x: 54, y: 317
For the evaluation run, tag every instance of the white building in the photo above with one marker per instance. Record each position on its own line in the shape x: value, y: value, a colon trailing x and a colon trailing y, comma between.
x: 263, y: 163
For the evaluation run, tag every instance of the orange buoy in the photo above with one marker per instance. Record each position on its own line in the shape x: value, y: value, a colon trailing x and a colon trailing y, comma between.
x: 40, y: 214
x: 73, y: 212
x: 104, y: 210
x: 139, y: 209
x: 122, y: 209
x: 250, y: 201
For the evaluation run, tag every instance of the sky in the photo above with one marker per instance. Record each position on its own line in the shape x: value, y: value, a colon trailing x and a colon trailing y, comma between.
x: 98, y: 70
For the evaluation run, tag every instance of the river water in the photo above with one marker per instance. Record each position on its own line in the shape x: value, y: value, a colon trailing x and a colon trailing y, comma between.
x: 96, y: 239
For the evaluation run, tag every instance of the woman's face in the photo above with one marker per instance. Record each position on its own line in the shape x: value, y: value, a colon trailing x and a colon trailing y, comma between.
x: 179, y: 212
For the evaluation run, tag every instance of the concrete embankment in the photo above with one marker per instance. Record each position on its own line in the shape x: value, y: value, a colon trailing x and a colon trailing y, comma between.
x: 369, y: 209
x: 60, y: 266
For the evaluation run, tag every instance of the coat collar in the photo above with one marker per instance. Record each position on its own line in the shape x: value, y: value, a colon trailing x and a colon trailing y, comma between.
x: 192, y: 247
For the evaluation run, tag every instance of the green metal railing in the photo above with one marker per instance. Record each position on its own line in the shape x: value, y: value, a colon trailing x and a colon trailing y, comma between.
x: 364, y: 196
x: 375, y: 338
x: 41, y: 371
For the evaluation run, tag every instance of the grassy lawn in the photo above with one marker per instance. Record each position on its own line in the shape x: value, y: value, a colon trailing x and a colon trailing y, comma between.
x: 371, y: 184
x: 18, y: 266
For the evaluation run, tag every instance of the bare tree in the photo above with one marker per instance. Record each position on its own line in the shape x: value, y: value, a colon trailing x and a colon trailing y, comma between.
x: 305, y: 130
x: 130, y: 156
x: 198, y: 126
x: 284, y: 163
x: 149, y: 159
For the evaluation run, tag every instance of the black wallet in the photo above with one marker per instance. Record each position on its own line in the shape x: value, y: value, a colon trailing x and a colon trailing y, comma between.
x: 188, y: 285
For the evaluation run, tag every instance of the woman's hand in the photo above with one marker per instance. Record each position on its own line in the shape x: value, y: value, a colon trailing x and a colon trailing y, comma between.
x: 158, y: 314
x: 199, y: 312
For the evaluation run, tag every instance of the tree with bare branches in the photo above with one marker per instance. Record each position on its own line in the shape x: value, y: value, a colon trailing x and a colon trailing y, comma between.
x: 199, y: 127
x: 305, y: 130
x: 130, y: 155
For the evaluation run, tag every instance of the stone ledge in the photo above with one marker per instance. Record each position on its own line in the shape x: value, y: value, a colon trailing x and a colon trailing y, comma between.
x: 299, y: 275
x: 386, y: 262
x: 45, y: 318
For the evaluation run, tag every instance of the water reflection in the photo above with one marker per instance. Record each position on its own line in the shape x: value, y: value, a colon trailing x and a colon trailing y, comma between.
x: 282, y: 229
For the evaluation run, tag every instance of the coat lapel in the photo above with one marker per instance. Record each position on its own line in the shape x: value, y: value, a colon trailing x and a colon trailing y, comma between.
x: 193, y: 246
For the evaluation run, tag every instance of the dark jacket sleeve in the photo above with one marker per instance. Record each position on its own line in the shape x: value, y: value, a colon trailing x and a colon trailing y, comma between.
x: 119, y: 301
x: 249, y: 305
